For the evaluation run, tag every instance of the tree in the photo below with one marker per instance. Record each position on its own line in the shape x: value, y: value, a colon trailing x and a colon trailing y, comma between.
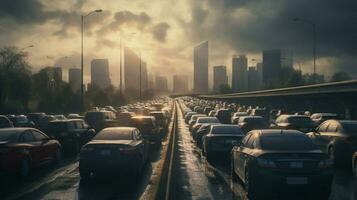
x: 15, y: 80
x: 340, y: 76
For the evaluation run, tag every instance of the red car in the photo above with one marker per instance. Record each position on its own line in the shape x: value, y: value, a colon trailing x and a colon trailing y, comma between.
x: 22, y: 149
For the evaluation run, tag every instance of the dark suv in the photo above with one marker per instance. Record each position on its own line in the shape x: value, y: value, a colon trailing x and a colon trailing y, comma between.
x: 148, y: 128
x: 100, y: 119
x: 71, y: 133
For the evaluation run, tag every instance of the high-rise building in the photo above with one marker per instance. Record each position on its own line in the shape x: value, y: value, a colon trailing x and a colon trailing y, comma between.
x: 132, y: 67
x: 180, y: 83
x: 161, y: 84
x: 200, y: 68
x: 57, y: 74
x: 253, y: 78
x: 74, y: 78
x: 219, y: 77
x: 271, y: 67
x: 239, y: 73
x: 259, y: 68
x: 100, y: 76
x: 151, y: 82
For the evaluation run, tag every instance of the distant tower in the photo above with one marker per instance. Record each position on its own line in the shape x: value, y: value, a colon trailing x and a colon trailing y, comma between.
x: 200, y: 68
x: 100, y: 73
x: 219, y: 77
x: 239, y: 73
x: 74, y: 78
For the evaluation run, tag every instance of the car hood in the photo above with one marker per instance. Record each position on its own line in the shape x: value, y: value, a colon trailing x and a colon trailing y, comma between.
x: 100, y: 142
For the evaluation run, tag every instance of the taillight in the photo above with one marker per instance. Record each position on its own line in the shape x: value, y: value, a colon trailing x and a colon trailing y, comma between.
x: 325, y: 164
x: 265, y: 163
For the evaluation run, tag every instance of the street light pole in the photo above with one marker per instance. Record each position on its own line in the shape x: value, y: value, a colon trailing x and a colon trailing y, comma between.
x: 82, y: 68
x: 313, y: 24
x: 140, y: 78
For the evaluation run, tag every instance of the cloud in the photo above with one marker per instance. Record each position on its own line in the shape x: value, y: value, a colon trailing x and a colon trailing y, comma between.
x: 159, y: 31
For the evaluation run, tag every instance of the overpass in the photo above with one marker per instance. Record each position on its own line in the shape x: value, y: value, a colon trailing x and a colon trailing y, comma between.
x: 339, y: 97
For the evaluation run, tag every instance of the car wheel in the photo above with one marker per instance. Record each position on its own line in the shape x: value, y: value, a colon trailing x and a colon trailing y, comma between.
x: 25, y: 167
x: 58, y: 156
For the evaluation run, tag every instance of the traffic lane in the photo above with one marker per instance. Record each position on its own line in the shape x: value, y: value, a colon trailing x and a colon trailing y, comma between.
x: 194, y: 181
x: 12, y: 186
x: 69, y: 186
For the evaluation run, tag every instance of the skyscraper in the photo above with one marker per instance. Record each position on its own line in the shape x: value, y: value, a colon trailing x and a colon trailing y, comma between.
x: 259, y: 68
x: 253, y: 78
x: 132, y: 65
x: 219, y: 77
x: 57, y: 74
x: 200, y: 68
x: 161, y: 84
x: 100, y: 73
x: 271, y: 67
x: 74, y: 78
x: 180, y: 83
x: 239, y: 73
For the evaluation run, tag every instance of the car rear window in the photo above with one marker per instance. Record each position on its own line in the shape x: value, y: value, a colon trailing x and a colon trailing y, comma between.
x: 111, y: 134
x: 253, y: 120
x: 227, y: 130
x: 350, y: 128
x: 299, y: 120
x: 208, y: 120
x: 58, y: 126
x: 287, y: 143
x: 8, y: 136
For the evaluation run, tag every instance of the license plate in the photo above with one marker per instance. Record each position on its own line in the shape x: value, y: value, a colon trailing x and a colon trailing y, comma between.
x: 296, y: 165
x: 105, y: 152
x: 296, y: 180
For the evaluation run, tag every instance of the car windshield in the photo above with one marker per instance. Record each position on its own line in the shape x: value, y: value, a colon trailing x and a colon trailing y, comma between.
x: 114, y: 134
x: 287, y: 143
x: 235, y: 130
x: 21, y: 119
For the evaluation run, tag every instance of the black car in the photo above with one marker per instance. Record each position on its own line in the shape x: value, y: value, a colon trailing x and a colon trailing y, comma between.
x: 224, y: 115
x: 160, y: 119
x: 269, y: 161
x: 248, y: 123
x: 298, y: 122
x: 124, y: 118
x: 100, y: 119
x: 148, y: 128
x: 338, y: 138
x: 71, y: 133
x: 21, y: 121
x: 220, y: 139
x: 116, y: 150
x: 36, y: 117
x: 5, y: 122
x: 318, y: 118
x: 188, y: 116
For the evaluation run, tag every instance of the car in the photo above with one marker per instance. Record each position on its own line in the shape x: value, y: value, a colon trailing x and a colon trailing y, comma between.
x: 100, y: 119
x: 60, y: 117
x: 200, y: 121
x: 237, y: 115
x: 148, y: 128
x: 22, y: 121
x: 318, y: 118
x: 23, y: 148
x: 201, y: 132
x: 207, y: 110
x: 272, y: 160
x: 71, y: 133
x: 124, y: 118
x: 220, y: 139
x: 35, y: 117
x: 298, y: 122
x: 74, y: 116
x: 160, y: 119
x: 224, y: 115
x: 354, y: 164
x: 114, y: 150
x: 212, y: 113
x: 188, y: 116
x: 5, y: 122
x: 44, y: 121
x: 261, y: 112
x: 337, y: 138
x: 248, y: 123
x: 193, y: 120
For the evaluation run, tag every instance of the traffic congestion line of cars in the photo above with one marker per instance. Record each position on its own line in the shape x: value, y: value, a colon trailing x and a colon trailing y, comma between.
x: 112, y: 138
x: 273, y: 150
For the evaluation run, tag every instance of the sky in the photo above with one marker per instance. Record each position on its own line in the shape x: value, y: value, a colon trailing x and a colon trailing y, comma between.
x: 165, y: 32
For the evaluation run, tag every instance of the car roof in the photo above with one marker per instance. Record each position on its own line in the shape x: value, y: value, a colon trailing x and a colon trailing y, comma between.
x: 143, y: 117
x: 224, y: 125
x: 66, y: 120
x: 120, y: 129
